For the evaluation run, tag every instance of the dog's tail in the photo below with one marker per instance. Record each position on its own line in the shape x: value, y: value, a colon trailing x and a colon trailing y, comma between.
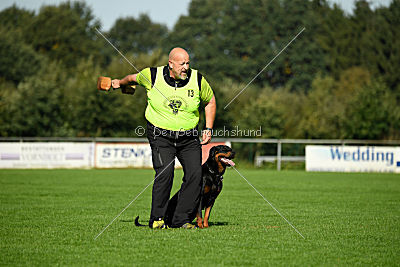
x: 137, y: 223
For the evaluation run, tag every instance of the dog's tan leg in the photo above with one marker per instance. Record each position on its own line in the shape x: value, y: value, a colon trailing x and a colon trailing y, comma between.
x: 206, y: 216
x: 199, y: 221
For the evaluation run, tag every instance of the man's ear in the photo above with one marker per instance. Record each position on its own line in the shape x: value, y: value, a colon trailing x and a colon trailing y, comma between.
x: 170, y: 64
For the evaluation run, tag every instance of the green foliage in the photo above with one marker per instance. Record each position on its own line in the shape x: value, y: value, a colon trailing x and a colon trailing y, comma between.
x: 236, y: 39
x: 321, y: 111
x: 325, y: 110
x: 8, y: 93
x: 86, y: 108
x: 369, y: 38
x: 65, y: 33
x: 385, y: 45
x: 140, y: 35
x: 338, y: 79
x: 17, y: 59
x: 355, y: 107
x: 16, y: 19
x: 262, y: 112
x: 372, y: 114
x: 37, y: 107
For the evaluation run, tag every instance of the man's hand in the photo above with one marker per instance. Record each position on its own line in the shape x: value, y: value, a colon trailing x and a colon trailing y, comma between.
x: 206, y: 137
x: 115, y: 83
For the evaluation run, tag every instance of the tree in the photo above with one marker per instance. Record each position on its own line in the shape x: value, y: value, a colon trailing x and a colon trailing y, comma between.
x: 136, y: 36
x: 320, y: 111
x: 7, y: 98
x: 336, y: 40
x: 373, y: 114
x: 324, y: 111
x: 37, y: 109
x: 382, y: 44
x: 17, y: 59
x: 297, y: 65
x: 65, y: 33
x: 368, y: 38
x: 16, y: 19
x: 236, y: 39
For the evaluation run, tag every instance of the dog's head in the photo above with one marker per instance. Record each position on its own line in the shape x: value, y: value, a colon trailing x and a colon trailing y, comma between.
x: 220, y: 157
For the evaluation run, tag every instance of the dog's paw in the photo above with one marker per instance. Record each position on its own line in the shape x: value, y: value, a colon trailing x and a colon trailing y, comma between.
x: 200, y: 223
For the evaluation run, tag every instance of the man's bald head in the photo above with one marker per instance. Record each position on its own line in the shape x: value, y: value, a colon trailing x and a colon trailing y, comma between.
x: 177, y: 53
x: 178, y: 62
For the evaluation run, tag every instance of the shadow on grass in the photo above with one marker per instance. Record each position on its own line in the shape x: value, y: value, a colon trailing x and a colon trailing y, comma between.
x: 210, y: 223
x: 218, y: 223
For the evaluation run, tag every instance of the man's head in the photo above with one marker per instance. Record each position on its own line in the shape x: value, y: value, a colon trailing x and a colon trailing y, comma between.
x: 178, y: 63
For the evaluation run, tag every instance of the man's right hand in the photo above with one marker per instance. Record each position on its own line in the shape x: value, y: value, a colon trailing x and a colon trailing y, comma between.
x: 115, y: 83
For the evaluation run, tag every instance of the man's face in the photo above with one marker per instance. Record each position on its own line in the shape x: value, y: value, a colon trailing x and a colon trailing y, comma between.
x: 179, y: 66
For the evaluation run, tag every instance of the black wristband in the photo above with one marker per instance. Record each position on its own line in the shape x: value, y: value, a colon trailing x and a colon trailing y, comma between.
x: 209, y: 129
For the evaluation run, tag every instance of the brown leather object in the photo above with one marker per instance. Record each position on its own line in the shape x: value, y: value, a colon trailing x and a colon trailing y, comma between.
x: 104, y: 83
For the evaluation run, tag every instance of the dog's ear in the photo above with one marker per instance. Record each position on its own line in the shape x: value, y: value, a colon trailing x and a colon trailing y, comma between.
x: 212, y: 152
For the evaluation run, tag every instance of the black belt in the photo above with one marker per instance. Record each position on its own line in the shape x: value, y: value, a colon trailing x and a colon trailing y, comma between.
x: 157, y: 131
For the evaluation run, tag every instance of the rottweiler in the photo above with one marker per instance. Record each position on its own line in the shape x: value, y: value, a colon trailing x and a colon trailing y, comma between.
x: 212, y: 171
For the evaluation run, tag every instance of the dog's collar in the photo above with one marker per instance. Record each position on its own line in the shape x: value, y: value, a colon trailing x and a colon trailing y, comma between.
x: 219, y: 176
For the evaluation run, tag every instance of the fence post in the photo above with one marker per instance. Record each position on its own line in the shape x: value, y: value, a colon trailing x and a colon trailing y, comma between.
x: 278, y: 156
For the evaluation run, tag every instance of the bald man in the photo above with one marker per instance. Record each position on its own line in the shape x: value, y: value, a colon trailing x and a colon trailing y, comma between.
x: 174, y: 94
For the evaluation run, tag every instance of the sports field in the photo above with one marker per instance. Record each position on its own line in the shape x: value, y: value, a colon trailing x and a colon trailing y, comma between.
x: 50, y: 217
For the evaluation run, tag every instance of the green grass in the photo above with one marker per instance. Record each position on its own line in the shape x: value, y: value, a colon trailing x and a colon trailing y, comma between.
x: 50, y: 217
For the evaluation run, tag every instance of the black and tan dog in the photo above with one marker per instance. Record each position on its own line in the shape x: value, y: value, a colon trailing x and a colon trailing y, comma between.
x: 212, y: 171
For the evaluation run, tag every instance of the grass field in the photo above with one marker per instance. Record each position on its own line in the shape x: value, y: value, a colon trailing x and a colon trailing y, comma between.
x: 50, y: 217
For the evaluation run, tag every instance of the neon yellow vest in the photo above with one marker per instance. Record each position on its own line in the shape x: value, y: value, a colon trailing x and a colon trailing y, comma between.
x: 183, y: 114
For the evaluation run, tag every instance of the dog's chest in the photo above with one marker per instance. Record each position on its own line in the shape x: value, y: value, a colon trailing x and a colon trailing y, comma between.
x: 213, y: 184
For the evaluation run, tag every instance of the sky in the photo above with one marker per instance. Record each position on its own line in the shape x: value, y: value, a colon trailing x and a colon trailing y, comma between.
x: 161, y: 11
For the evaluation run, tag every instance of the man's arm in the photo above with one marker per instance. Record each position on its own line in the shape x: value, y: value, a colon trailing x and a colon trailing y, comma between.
x: 210, y: 110
x: 125, y: 81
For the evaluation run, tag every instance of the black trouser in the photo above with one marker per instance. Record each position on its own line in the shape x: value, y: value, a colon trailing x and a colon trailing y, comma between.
x: 165, y: 145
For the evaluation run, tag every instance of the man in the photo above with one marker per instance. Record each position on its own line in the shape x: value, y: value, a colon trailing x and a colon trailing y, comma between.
x: 174, y: 93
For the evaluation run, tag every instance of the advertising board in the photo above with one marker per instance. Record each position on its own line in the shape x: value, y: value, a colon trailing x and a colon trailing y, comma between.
x: 48, y: 155
x: 38, y: 155
x: 353, y: 158
x: 123, y: 155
